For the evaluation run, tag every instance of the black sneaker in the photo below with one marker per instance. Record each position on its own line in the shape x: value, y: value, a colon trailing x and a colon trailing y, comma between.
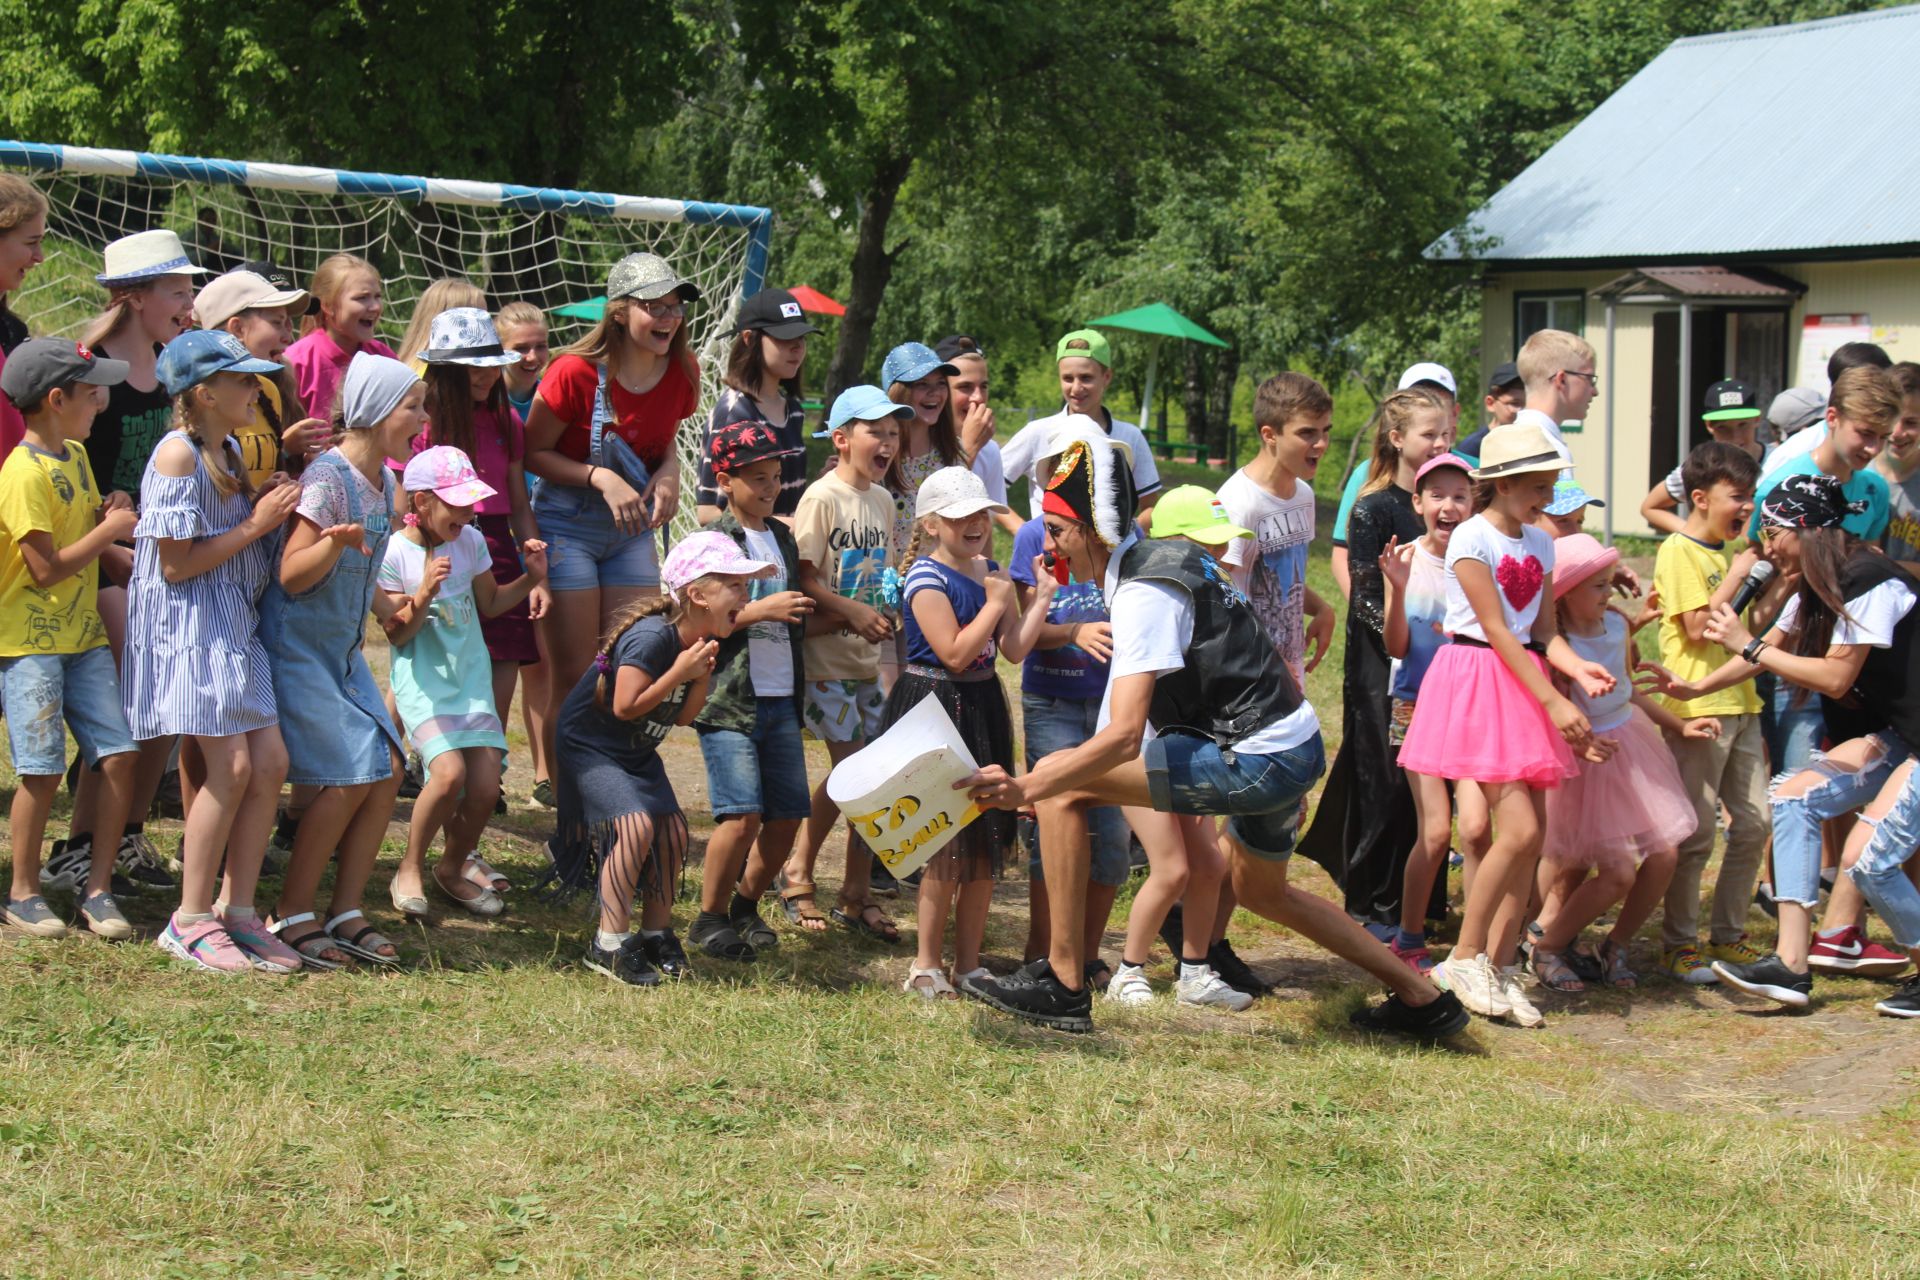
x: 1763, y: 899
x: 667, y: 955
x: 714, y: 934
x: 1904, y: 1003
x: 883, y: 883
x: 543, y: 794
x: 1234, y: 971
x: 1434, y: 1021
x: 1137, y: 863
x: 1034, y: 994
x: 142, y: 864
x: 414, y: 778
x: 1173, y: 931
x: 745, y: 918
x: 628, y: 964
x: 1770, y: 978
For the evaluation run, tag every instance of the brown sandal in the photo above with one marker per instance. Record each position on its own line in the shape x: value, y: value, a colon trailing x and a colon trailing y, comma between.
x: 797, y: 900
x: 881, y: 928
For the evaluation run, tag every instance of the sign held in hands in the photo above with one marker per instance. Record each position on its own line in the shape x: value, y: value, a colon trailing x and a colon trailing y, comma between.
x: 897, y: 791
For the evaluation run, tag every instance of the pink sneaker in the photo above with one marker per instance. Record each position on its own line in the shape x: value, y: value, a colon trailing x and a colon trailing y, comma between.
x: 1849, y: 952
x: 205, y: 946
x: 1418, y: 959
x: 263, y: 948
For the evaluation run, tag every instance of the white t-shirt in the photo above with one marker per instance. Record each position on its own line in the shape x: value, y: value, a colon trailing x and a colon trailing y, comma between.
x: 1152, y: 630
x: 1022, y: 456
x: 1270, y: 569
x: 406, y: 560
x: 1798, y: 445
x: 987, y: 465
x: 1520, y: 566
x: 1871, y: 615
x: 769, y: 649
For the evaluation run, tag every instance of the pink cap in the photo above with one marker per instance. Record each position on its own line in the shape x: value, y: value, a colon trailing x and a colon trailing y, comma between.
x: 709, y: 551
x: 448, y: 474
x: 1444, y: 460
x: 1577, y: 557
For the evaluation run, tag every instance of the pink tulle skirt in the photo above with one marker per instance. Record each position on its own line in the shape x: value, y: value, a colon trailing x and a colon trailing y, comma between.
x: 1474, y: 719
x: 1612, y: 814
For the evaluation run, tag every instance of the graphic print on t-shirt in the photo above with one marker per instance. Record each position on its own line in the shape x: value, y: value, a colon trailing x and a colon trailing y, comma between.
x: 1277, y: 584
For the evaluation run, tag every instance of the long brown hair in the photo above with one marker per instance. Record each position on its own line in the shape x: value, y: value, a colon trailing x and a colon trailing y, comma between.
x: 449, y: 405
x: 119, y: 310
x: 1395, y: 415
x: 747, y: 367
x: 945, y: 434
x: 1823, y: 554
x: 609, y: 334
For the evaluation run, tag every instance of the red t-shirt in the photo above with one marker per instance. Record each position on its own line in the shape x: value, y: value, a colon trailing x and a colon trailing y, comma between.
x: 646, y: 422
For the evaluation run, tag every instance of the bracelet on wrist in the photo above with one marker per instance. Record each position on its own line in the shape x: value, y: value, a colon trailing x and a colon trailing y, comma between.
x: 1754, y: 648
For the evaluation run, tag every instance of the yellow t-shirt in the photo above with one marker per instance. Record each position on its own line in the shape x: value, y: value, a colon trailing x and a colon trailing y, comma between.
x: 1686, y: 574
x: 41, y: 492
x: 848, y: 534
x: 259, y: 440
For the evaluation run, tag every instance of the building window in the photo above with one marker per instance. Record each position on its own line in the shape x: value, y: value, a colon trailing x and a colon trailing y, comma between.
x: 1533, y: 312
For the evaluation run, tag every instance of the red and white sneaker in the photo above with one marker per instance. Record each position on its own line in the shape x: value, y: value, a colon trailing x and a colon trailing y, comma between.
x: 1849, y: 951
x: 1418, y: 959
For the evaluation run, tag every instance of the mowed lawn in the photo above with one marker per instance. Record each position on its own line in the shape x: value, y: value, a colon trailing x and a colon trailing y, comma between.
x: 495, y: 1109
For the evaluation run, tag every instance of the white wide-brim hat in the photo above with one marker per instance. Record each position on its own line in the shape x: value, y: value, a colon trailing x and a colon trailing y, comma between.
x: 146, y: 255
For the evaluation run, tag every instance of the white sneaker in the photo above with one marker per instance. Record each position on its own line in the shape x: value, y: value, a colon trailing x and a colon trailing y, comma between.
x: 1520, y: 1009
x: 1129, y: 985
x: 1201, y: 985
x: 1472, y: 980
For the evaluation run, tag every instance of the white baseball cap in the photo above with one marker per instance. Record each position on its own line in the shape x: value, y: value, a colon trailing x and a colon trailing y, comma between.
x: 227, y: 296
x: 1428, y: 371
x: 955, y: 493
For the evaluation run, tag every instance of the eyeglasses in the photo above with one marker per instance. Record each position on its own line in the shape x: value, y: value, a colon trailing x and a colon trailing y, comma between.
x: 661, y: 310
x: 1592, y: 378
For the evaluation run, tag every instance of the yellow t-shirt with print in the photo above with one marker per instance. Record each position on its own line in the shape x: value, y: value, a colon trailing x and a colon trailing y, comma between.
x: 1687, y: 573
x: 41, y: 492
x: 259, y: 440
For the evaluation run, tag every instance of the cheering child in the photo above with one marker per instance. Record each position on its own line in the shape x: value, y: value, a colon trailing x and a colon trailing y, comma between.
x: 959, y: 608
x: 351, y: 297
x: 1625, y: 812
x: 617, y: 807
x: 1489, y: 712
x: 440, y: 566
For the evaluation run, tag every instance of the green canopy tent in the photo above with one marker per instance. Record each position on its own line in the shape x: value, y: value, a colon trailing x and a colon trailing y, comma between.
x: 1157, y: 320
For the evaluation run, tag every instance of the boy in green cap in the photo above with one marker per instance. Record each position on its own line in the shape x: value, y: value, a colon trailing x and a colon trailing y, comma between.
x: 1086, y: 371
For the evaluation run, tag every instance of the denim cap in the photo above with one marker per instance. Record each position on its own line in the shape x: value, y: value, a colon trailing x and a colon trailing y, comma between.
x: 1568, y: 498
x: 198, y: 354
x: 912, y: 361
x: 863, y: 403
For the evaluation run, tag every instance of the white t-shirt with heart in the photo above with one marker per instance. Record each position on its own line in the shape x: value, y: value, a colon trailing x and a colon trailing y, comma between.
x: 1520, y: 566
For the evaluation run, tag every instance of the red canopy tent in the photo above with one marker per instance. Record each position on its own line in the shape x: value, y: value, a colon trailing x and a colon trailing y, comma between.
x: 815, y: 301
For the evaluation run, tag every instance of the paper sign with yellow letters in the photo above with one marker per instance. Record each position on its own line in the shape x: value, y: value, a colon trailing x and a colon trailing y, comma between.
x: 897, y: 791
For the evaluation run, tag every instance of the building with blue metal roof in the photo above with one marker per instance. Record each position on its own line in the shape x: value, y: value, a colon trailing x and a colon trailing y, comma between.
x: 1747, y: 202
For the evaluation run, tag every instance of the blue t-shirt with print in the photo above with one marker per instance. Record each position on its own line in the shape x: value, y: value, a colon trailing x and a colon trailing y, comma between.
x: 1069, y: 671
x: 966, y: 596
x: 1868, y: 488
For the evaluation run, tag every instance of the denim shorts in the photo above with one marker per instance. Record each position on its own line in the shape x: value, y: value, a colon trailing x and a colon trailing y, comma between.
x: 764, y: 773
x: 1057, y: 724
x: 1259, y: 795
x: 43, y: 690
x: 584, y: 549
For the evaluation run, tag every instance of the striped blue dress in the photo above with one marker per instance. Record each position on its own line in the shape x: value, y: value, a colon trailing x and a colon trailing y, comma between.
x: 194, y: 663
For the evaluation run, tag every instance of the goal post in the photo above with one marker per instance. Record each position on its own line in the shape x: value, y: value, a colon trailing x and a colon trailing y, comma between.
x: 544, y: 245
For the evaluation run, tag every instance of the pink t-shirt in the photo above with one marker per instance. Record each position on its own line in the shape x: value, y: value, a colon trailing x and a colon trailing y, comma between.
x: 318, y: 366
x: 494, y: 450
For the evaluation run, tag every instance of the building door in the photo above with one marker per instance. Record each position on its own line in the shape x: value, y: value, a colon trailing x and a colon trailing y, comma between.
x: 1728, y: 342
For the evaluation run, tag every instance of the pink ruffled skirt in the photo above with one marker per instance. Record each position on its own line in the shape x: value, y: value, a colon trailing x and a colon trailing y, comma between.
x: 1474, y: 719
x: 1611, y: 814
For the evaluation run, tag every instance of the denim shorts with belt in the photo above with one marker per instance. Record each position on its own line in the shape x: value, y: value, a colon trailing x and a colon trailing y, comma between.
x: 585, y: 549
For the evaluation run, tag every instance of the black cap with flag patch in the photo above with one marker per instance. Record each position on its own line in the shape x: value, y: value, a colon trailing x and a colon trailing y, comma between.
x: 776, y: 313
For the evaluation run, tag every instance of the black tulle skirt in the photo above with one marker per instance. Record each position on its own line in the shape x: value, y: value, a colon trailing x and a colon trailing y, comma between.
x: 978, y: 708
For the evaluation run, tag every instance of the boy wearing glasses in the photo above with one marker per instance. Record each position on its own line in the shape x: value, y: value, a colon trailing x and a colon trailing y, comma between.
x: 1557, y: 368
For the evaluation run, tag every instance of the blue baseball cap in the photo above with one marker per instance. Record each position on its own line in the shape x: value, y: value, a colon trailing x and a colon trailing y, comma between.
x: 198, y: 354
x: 863, y: 403
x: 1568, y: 498
x: 912, y: 361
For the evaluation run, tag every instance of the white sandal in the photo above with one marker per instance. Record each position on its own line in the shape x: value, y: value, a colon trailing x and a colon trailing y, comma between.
x: 358, y: 945
x: 937, y: 988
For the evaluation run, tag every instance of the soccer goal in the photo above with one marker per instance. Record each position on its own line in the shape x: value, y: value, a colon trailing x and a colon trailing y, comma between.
x: 544, y: 245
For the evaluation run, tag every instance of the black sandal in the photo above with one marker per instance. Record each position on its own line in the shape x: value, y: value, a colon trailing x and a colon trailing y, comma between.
x: 881, y: 930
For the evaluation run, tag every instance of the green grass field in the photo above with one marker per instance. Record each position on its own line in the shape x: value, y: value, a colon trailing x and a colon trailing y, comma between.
x: 494, y: 1109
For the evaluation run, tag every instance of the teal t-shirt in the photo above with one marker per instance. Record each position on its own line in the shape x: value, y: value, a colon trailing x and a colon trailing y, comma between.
x: 1349, y: 496
x: 1868, y: 487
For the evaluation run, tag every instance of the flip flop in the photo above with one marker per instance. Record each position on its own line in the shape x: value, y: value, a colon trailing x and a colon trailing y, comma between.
x: 363, y: 943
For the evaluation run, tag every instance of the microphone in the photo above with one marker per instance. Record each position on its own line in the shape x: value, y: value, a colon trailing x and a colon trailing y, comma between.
x: 1756, y: 582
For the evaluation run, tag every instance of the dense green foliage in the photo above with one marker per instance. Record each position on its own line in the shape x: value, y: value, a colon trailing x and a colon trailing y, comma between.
x: 1002, y: 167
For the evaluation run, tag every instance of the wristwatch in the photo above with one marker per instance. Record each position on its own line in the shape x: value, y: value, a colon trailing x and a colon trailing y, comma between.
x: 1752, y: 652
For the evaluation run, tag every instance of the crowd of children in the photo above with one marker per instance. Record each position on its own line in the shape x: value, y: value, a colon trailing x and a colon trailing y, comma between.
x: 200, y: 511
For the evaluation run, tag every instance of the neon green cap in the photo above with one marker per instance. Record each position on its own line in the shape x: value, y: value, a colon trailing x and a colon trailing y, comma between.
x: 1193, y: 512
x: 1096, y: 348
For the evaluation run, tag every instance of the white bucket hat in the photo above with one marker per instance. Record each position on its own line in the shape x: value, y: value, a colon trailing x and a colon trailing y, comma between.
x: 146, y: 255
x: 465, y: 335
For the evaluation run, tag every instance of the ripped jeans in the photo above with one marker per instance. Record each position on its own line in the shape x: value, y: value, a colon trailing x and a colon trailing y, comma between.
x: 1881, y: 870
x: 1840, y: 790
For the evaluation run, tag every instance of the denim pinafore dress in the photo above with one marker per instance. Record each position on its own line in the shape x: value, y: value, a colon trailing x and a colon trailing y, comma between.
x: 336, y: 727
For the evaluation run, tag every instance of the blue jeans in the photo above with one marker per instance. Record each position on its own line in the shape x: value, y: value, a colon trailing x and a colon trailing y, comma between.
x: 1881, y: 871
x: 1797, y: 819
x: 1793, y: 724
x: 1059, y: 724
x: 584, y: 549
x: 1260, y: 795
x: 764, y: 774
x: 44, y: 690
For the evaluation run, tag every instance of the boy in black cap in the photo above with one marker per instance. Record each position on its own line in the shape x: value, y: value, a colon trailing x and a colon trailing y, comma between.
x: 1506, y: 397
x: 55, y: 666
x: 1731, y: 411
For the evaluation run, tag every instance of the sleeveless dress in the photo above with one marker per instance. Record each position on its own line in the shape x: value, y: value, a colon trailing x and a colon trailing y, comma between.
x: 336, y: 726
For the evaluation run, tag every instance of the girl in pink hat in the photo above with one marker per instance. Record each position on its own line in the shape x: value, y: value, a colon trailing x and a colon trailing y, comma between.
x: 1624, y: 813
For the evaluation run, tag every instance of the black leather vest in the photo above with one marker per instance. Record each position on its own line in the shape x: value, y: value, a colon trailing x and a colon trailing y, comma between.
x: 1234, y: 682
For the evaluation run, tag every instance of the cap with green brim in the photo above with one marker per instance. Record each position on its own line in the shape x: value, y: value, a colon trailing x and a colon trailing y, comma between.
x: 1731, y: 400
x: 1097, y: 348
x: 1193, y: 512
